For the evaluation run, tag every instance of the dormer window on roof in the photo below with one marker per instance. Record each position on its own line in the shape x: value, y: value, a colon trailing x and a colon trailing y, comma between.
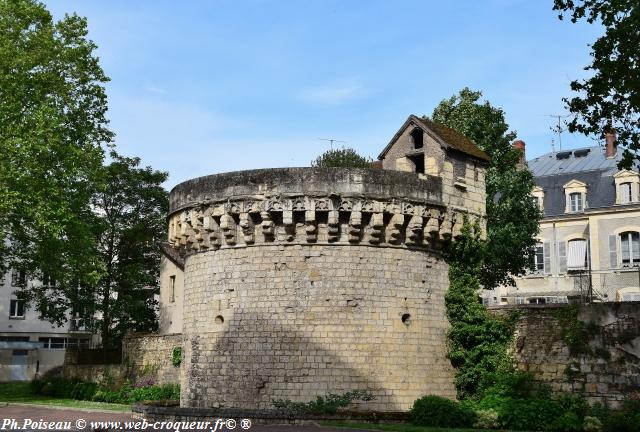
x: 538, y: 196
x: 627, y: 187
x: 576, y: 196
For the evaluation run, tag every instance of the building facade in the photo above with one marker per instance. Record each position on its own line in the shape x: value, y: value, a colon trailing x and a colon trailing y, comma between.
x: 30, y: 346
x: 589, y: 242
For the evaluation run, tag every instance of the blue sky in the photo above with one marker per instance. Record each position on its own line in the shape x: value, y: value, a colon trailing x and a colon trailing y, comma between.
x: 201, y: 87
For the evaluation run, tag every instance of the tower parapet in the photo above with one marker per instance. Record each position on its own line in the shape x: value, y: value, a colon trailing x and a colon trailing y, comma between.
x: 312, y: 206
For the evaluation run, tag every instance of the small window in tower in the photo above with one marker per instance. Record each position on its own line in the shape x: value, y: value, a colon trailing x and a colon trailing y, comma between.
x: 417, y: 136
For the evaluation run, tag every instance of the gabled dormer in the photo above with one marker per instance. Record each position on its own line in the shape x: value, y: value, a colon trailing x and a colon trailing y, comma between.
x: 575, y: 193
x: 627, y: 187
x: 538, y: 196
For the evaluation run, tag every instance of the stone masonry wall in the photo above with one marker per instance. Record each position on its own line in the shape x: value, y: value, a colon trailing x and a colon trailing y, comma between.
x: 151, y: 354
x: 606, y: 367
x: 300, y: 321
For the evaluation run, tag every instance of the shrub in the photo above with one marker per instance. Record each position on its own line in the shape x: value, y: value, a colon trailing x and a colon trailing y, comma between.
x: 486, y: 419
x: 438, y: 411
x: 176, y: 356
x: 164, y: 392
x: 84, y: 390
x: 592, y: 424
x: 533, y: 414
x: 77, y: 389
x: 626, y: 419
x: 35, y: 386
x: 328, y: 404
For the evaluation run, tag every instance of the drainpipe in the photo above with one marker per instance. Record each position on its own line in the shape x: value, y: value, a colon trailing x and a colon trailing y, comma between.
x: 555, y: 250
x: 589, y: 260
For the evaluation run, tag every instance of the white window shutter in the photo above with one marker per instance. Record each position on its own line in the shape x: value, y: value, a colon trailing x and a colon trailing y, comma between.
x: 546, y: 251
x: 613, y: 251
x: 562, y: 257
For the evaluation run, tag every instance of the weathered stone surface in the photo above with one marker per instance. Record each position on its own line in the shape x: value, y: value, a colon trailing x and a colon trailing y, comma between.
x: 610, y: 369
x: 295, y: 322
x: 305, y: 281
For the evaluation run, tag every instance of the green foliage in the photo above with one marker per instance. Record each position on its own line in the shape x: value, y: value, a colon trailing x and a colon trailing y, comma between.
x: 512, y: 216
x: 478, y: 341
x: 120, y: 238
x: 328, y: 404
x: 535, y: 412
x: 574, y: 332
x: 176, y: 356
x: 341, y: 158
x: 80, y: 390
x: 626, y: 419
x: 487, y: 419
x: 93, y: 229
x: 440, y: 412
x: 610, y: 94
x: 592, y: 424
x: 52, y: 130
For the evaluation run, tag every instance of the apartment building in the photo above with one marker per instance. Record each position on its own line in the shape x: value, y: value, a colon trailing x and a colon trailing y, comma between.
x: 589, y: 242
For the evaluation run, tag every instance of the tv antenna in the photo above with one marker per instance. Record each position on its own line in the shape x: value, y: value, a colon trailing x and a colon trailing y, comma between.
x: 557, y: 129
x: 331, y: 141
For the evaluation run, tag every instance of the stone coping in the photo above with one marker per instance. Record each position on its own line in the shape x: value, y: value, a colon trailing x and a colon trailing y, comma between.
x: 356, y: 182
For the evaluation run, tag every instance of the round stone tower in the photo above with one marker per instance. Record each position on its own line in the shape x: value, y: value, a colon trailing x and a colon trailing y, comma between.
x: 300, y: 282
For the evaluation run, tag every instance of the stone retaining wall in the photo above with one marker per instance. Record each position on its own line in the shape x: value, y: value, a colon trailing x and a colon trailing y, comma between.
x: 151, y: 354
x: 603, y: 362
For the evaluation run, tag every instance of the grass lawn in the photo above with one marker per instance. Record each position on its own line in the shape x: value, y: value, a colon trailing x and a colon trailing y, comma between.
x: 19, y: 392
x: 394, y: 427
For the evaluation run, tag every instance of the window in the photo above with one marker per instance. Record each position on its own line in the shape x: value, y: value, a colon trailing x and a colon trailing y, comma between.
x: 631, y: 297
x: 630, y: 248
x: 18, y: 278
x: 16, y: 309
x: 417, y: 137
x: 537, y: 300
x: 172, y: 292
x: 577, y: 254
x: 538, y: 259
x: 14, y: 338
x: 48, y: 280
x: 53, y: 342
x: 575, y: 202
x: 625, y: 193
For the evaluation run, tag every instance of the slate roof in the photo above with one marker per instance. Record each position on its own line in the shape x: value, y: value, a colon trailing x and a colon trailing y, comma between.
x: 450, y: 137
x: 588, y: 165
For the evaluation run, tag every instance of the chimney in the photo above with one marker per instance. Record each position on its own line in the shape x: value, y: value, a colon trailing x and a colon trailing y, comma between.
x: 610, y: 139
x: 520, y: 146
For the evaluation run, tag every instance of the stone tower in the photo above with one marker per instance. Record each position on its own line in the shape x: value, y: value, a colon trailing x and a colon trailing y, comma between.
x: 300, y: 282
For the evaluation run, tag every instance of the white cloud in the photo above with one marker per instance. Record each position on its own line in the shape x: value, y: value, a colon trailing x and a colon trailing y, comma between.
x: 336, y: 93
x: 153, y: 89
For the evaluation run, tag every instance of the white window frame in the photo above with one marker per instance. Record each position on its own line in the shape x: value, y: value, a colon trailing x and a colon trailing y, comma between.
x: 633, y: 252
x: 575, y: 202
x: 538, y: 261
x: 14, y: 308
x: 626, y: 193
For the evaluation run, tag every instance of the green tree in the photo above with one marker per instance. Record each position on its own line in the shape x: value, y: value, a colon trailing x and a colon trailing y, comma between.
x: 52, y: 129
x: 611, y: 96
x: 341, y: 158
x: 512, y: 215
x: 113, y: 273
